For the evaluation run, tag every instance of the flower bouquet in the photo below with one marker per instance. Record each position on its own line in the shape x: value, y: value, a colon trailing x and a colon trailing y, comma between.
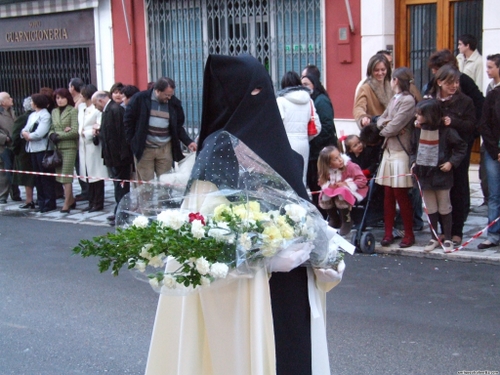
x: 216, y: 231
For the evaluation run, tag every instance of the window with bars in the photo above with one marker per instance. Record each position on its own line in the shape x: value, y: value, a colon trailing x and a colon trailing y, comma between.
x: 25, y: 72
x: 282, y: 34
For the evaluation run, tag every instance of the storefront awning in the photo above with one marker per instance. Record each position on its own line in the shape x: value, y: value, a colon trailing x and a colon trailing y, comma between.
x: 31, y: 8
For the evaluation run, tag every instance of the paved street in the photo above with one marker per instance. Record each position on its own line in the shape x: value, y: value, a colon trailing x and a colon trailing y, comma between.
x: 390, y: 315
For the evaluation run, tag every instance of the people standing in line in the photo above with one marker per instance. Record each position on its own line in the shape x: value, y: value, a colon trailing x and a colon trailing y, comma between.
x: 342, y: 185
x: 7, y: 118
x: 35, y: 133
x: 296, y: 109
x: 128, y: 91
x: 64, y: 135
x: 92, y: 166
x: 396, y: 125
x: 436, y: 150
x: 327, y: 136
x: 22, y: 158
x: 116, y: 93
x: 459, y: 113
x: 75, y: 87
x: 374, y: 95
x: 469, y: 59
x: 490, y: 131
x: 115, y: 149
x: 154, y: 125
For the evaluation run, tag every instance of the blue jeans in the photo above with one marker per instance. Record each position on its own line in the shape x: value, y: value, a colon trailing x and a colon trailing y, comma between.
x: 493, y: 173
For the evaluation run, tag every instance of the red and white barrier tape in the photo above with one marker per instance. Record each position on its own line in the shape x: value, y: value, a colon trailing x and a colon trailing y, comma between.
x: 462, y: 246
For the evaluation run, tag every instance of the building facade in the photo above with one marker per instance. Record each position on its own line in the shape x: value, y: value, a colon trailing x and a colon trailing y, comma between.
x: 45, y: 43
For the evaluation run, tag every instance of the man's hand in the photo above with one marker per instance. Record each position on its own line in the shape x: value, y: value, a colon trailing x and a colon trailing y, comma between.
x: 193, y: 147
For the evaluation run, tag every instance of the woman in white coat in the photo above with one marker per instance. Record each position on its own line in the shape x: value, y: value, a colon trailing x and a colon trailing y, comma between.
x: 296, y: 109
x: 91, y: 161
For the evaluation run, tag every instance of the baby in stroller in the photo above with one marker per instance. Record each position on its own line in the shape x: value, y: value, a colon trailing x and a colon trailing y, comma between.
x: 342, y: 185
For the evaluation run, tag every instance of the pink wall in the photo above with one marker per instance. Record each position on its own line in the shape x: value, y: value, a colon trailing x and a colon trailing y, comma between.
x: 130, y: 58
x: 342, y: 78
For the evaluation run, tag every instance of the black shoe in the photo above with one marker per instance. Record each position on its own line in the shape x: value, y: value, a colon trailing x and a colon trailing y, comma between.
x: 111, y: 218
x: 112, y: 223
x: 88, y: 208
x: 486, y: 245
x: 95, y: 209
x: 47, y: 209
x: 28, y: 205
x: 3, y: 201
x: 65, y: 211
x: 73, y: 206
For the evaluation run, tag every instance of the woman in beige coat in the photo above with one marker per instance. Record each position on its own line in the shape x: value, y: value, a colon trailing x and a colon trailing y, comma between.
x: 91, y: 162
x: 374, y: 95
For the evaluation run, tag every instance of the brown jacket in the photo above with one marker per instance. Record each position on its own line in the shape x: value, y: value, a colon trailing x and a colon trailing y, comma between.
x: 397, y: 120
x: 366, y: 104
x: 7, y: 118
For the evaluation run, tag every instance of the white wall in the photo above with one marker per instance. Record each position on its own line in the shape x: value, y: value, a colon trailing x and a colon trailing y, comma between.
x: 491, y: 32
x: 104, y: 45
x: 377, y: 28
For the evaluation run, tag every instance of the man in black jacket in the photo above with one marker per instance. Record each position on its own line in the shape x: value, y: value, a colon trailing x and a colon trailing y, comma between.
x: 115, y: 149
x: 154, y: 122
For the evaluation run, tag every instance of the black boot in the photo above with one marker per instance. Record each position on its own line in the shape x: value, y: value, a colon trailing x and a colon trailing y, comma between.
x: 333, y: 218
x: 345, y: 216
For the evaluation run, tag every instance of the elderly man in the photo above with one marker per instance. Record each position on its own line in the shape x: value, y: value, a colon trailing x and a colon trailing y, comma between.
x: 115, y: 150
x: 154, y: 124
x: 7, y: 118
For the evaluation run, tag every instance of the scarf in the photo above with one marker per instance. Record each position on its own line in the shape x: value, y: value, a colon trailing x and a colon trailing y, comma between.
x: 382, y: 91
x: 428, y: 148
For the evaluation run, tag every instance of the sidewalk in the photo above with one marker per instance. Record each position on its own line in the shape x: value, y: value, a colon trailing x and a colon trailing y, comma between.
x: 477, y: 220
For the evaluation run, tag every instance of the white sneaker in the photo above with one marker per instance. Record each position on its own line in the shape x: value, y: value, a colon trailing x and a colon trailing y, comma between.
x: 448, y: 246
x: 431, y: 246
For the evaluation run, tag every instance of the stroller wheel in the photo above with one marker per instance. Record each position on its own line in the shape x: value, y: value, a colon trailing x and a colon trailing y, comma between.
x: 367, y: 243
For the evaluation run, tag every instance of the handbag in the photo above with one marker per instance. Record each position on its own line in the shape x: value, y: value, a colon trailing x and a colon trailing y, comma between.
x: 311, y: 125
x: 52, y: 158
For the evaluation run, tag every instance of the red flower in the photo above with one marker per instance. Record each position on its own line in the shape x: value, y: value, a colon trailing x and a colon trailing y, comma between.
x: 196, y: 216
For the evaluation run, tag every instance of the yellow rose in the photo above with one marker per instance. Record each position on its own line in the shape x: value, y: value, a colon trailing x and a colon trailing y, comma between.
x: 219, y: 210
x: 286, y: 231
x: 272, y: 234
x: 254, y: 206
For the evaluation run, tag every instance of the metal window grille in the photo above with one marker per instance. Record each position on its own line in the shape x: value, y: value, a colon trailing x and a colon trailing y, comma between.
x: 282, y: 34
x: 25, y: 72
x: 468, y: 19
x: 422, y: 40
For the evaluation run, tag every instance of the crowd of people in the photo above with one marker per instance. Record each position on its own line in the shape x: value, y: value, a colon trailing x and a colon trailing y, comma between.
x: 126, y: 132
x: 121, y: 134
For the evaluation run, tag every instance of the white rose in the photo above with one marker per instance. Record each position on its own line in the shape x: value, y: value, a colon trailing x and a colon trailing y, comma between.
x: 140, y: 265
x: 197, y: 229
x: 295, y: 212
x: 169, y: 281
x: 154, y: 283
x: 140, y: 222
x: 219, y: 270
x: 202, y: 266
x: 145, y: 251
x: 172, y: 218
x: 156, y: 261
x: 245, y: 241
x: 205, y: 281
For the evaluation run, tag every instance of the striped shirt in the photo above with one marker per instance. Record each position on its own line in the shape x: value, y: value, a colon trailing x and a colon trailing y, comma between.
x: 159, y: 121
